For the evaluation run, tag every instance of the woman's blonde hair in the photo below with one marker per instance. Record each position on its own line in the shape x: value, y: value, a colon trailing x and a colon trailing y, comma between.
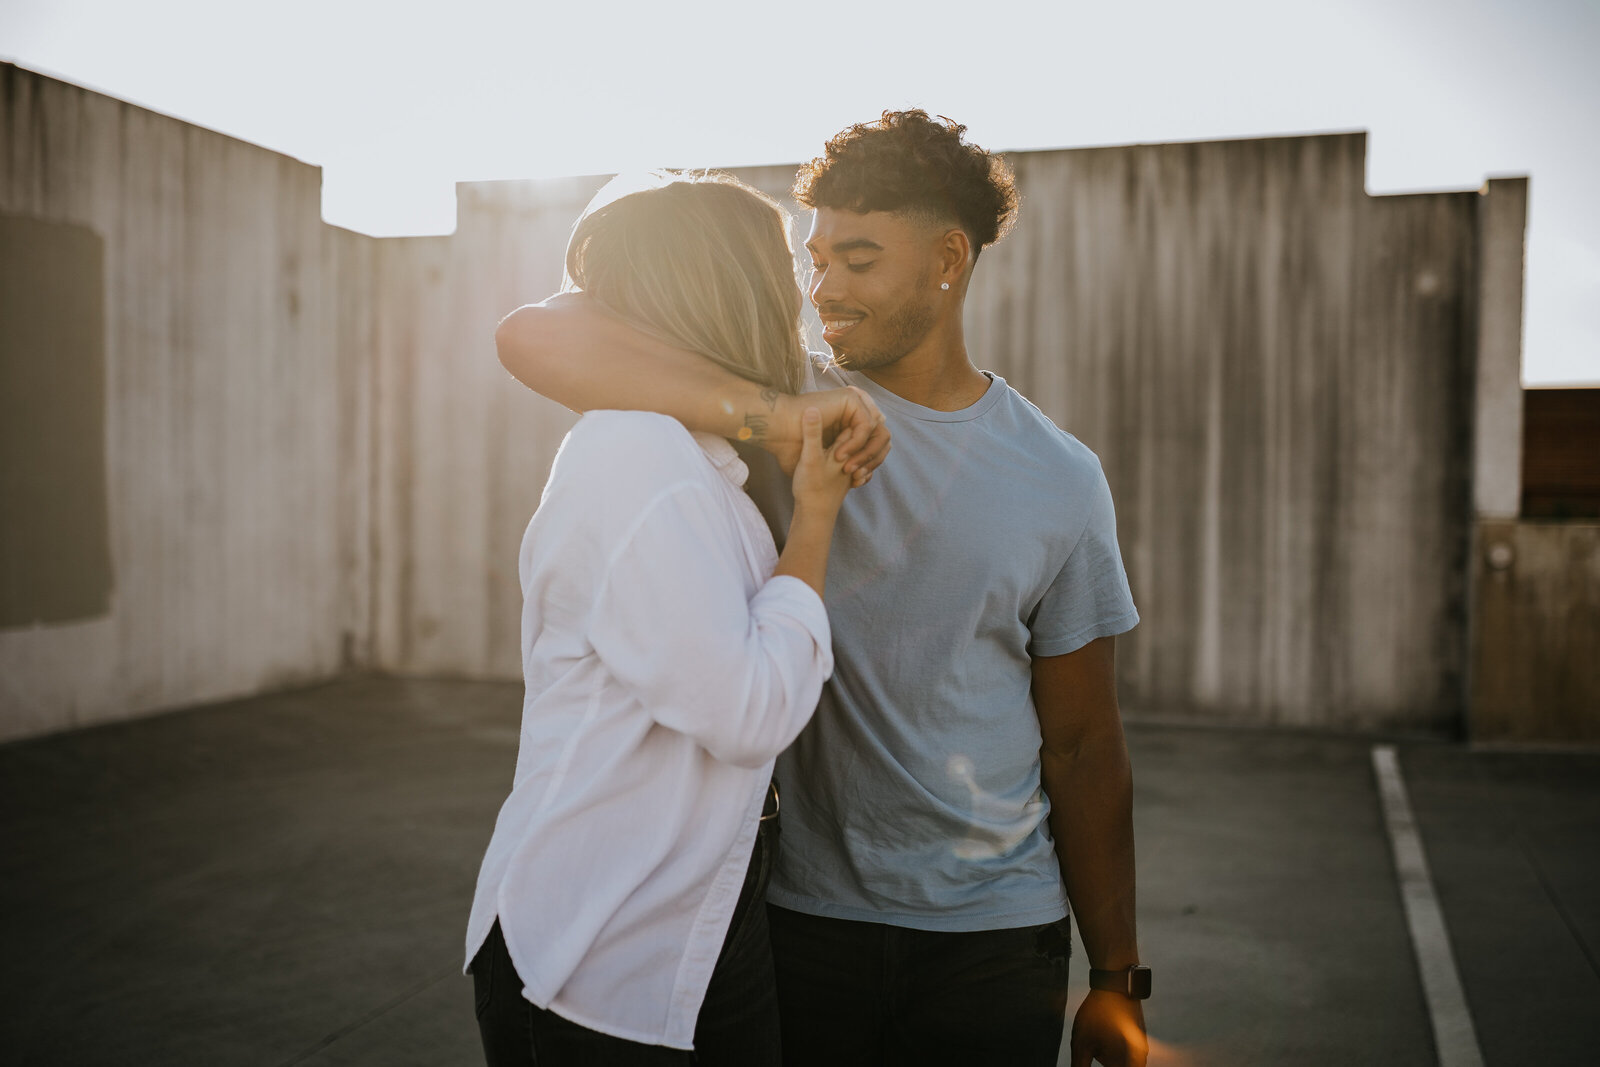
x: 701, y: 261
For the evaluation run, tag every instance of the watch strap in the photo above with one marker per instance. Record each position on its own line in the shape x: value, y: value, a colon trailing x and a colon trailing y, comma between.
x: 1133, y: 982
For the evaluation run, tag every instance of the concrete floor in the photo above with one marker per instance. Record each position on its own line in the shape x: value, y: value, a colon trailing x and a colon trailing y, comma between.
x: 285, y: 880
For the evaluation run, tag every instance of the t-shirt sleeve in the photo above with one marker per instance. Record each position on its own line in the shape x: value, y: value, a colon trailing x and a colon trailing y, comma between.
x: 1089, y: 597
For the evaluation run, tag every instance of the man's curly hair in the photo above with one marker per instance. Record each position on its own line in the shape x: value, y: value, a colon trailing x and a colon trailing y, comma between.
x: 909, y: 162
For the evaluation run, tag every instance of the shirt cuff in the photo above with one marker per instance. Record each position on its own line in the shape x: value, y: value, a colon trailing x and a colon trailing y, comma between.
x: 794, y: 598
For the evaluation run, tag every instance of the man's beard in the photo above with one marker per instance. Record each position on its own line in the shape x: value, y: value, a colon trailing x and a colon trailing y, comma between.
x: 906, y: 327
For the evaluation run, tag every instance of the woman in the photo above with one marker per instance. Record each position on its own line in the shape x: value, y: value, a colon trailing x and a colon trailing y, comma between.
x: 669, y: 653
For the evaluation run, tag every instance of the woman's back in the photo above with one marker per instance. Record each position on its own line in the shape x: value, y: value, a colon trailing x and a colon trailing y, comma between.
x: 664, y: 673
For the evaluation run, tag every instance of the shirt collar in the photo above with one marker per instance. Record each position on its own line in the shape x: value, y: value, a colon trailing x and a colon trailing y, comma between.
x: 723, y: 457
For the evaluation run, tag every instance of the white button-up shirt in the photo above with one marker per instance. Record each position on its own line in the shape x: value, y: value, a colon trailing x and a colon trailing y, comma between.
x: 665, y: 671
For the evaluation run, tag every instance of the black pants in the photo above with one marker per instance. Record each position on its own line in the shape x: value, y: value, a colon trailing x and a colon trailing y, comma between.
x: 738, y: 1023
x: 859, y: 993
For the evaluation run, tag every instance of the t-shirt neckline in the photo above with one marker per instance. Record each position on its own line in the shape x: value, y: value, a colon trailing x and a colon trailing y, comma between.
x: 890, y: 401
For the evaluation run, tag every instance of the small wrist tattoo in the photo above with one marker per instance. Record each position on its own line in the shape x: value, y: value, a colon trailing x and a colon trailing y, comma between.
x: 770, y: 396
x: 754, y: 426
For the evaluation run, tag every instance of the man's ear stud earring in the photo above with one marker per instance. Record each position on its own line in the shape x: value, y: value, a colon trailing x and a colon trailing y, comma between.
x: 944, y: 285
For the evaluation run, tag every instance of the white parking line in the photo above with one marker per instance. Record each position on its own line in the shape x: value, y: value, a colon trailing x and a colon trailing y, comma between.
x: 1453, y: 1034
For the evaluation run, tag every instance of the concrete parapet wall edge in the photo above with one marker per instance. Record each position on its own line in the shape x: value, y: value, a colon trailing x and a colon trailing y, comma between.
x: 1497, y: 408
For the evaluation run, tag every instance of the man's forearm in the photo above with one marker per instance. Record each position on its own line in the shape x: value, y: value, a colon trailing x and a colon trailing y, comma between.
x: 568, y: 350
x: 1091, y: 819
x: 572, y: 352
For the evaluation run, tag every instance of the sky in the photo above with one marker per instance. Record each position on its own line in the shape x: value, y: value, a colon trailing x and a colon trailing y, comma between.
x: 398, y: 101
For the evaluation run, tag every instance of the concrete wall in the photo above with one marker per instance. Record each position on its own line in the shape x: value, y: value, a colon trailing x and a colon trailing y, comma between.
x: 1537, y: 630
x: 234, y: 396
x: 315, y: 462
x: 463, y: 449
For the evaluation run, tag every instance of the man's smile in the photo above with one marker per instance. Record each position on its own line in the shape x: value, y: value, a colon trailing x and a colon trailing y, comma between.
x: 836, y: 324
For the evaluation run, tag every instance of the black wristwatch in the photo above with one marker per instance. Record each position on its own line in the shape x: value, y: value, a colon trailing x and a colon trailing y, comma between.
x: 1133, y: 982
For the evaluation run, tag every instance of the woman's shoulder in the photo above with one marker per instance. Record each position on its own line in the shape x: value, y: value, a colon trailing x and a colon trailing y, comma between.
x: 629, y: 448
x: 630, y: 429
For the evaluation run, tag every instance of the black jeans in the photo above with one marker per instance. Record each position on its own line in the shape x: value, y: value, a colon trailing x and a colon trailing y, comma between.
x: 887, y: 996
x: 738, y: 1023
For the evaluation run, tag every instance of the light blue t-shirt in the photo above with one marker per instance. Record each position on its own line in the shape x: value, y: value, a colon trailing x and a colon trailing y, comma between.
x: 913, y: 797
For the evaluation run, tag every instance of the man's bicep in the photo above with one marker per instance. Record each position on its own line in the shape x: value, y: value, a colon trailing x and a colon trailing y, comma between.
x: 1075, y: 695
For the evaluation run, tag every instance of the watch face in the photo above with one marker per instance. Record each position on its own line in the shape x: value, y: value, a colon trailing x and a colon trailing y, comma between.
x: 1139, y: 982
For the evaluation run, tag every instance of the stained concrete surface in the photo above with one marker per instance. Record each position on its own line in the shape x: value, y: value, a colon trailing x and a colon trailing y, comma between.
x: 285, y: 880
x: 55, y: 541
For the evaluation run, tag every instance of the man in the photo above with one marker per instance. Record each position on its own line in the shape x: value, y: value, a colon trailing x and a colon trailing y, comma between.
x: 965, y: 776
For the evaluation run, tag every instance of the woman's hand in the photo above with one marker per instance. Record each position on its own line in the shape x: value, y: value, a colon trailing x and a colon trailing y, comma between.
x: 820, y: 478
x: 820, y: 483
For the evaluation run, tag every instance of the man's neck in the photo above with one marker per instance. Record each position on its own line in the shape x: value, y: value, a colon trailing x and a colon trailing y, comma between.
x: 936, y: 374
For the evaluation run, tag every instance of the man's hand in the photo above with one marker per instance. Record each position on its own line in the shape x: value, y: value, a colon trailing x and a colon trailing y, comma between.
x: 1109, y: 1028
x: 853, y: 428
